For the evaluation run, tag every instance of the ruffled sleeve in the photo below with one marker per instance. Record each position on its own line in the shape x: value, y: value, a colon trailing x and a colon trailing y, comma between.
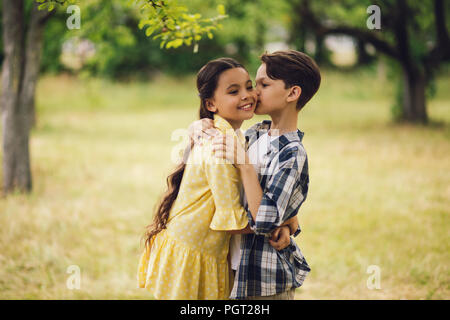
x: 224, y: 182
x: 229, y: 219
x: 142, y: 267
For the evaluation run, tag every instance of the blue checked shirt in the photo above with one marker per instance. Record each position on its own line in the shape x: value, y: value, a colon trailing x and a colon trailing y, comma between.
x: 284, y: 178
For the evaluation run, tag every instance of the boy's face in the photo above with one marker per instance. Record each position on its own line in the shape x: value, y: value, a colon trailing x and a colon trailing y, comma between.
x: 272, y: 94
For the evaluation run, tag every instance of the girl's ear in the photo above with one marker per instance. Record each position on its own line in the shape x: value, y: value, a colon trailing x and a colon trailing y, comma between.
x: 294, y: 93
x: 210, y: 105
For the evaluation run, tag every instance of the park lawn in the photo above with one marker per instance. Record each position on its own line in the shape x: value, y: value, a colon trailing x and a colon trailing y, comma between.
x: 379, y: 192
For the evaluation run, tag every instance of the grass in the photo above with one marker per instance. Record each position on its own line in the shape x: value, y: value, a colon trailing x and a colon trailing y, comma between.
x: 379, y: 192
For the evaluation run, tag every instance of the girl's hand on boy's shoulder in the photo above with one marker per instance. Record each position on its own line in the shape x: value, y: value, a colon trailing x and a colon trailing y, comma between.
x: 202, y: 129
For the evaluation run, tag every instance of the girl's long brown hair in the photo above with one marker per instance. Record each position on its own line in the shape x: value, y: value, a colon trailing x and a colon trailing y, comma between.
x: 207, y: 80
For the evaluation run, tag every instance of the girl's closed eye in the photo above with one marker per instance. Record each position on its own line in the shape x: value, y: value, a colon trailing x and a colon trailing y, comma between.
x: 233, y: 89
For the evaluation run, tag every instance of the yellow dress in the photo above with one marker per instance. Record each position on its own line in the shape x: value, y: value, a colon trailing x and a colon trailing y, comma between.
x: 188, y: 260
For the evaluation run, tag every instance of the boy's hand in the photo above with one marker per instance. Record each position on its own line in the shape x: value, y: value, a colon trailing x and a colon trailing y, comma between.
x: 280, y: 238
x: 203, y: 128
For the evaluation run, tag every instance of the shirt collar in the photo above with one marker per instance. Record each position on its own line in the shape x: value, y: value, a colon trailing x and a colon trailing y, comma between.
x: 282, y: 140
x: 225, y: 127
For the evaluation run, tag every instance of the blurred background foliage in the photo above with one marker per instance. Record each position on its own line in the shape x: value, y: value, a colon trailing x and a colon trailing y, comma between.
x: 118, y: 49
x: 122, y: 50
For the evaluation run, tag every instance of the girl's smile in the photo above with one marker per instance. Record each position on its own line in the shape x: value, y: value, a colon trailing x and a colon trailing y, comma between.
x: 247, y: 107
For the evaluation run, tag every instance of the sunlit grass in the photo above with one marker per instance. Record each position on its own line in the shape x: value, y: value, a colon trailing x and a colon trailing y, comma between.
x: 379, y: 192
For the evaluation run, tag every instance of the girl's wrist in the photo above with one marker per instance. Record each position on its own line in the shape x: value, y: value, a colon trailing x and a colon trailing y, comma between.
x: 244, y: 166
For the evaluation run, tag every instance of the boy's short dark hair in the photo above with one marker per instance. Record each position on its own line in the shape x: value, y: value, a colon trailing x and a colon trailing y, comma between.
x: 295, y: 69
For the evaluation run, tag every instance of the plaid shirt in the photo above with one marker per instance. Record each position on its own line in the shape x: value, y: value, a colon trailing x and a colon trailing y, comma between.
x: 262, y: 270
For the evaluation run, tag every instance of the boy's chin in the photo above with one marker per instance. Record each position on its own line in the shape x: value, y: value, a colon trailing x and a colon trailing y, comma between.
x: 258, y: 111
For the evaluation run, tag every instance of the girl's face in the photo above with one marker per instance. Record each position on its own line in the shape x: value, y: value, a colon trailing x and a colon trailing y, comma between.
x: 234, y: 98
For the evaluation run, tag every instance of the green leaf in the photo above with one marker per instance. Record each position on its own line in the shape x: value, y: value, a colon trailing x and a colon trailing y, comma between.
x: 143, y: 23
x: 42, y: 6
x: 169, y: 45
x: 221, y: 9
x: 175, y: 43
x: 149, y: 31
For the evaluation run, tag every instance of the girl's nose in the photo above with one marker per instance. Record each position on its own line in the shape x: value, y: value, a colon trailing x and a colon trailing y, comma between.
x: 245, y: 96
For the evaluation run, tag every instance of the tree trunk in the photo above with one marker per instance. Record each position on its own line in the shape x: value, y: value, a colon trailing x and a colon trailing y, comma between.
x: 16, y: 164
x: 298, y: 27
x: 414, y: 80
x: 260, y: 36
x: 33, y: 51
x: 320, y: 56
x: 297, y: 37
x: 19, y: 76
x: 414, y: 99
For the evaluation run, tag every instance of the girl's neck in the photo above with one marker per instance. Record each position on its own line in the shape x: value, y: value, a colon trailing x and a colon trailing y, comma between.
x: 235, y: 124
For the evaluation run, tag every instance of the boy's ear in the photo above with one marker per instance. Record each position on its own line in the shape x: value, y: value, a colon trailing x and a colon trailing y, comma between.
x: 294, y: 93
x: 210, y: 105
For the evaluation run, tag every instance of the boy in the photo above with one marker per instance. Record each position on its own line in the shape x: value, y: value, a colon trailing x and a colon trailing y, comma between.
x: 285, y: 82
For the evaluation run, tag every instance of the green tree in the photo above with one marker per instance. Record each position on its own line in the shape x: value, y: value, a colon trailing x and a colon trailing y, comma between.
x: 414, y: 35
x: 167, y: 20
x: 22, y: 43
x: 22, y: 47
x: 124, y: 50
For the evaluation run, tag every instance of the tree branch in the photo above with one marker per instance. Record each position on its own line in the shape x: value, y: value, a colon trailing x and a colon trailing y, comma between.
x: 441, y: 29
x: 42, y: 15
x: 400, y: 30
x: 365, y: 36
x: 441, y: 51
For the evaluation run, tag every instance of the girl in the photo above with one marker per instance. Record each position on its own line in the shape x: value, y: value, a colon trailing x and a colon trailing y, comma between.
x: 186, y: 249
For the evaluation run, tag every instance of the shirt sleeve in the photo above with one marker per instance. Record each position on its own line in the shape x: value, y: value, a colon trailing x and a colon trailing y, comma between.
x: 297, y: 232
x: 224, y: 182
x: 283, y: 194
